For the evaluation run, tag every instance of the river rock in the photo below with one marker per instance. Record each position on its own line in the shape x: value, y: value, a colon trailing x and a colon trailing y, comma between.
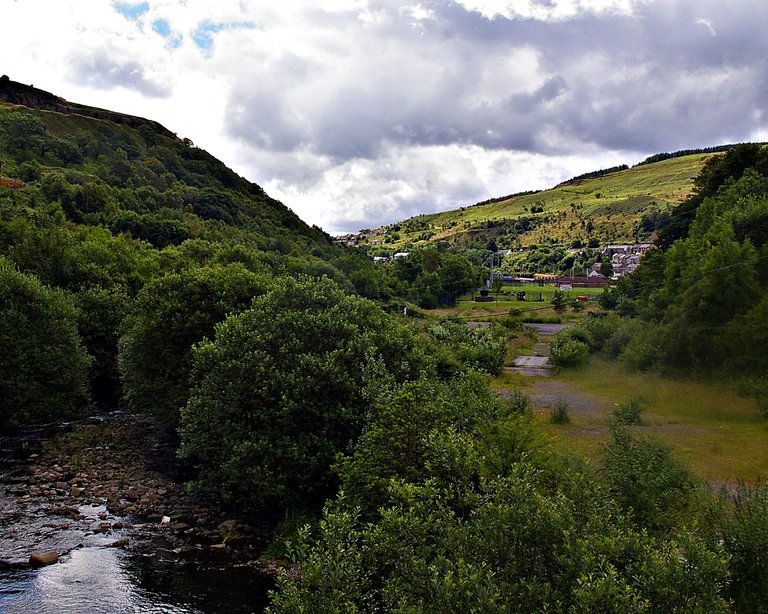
x: 43, y: 559
x: 228, y: 526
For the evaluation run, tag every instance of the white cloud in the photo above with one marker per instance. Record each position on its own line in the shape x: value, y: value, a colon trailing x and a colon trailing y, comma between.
x: 548, y: 10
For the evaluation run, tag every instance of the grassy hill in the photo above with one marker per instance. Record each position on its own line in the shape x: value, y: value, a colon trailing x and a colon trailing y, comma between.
x: 606, y: 209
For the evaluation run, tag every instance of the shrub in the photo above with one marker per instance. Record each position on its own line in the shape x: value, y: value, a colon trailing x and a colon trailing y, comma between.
x: 567, y: 352
x: 628, y: 413
x: 626, y: 329
x: 560, y: 412
x: 738, y: 519
x: 285, y: 386
x: 520, y: 403
x: 172, y: 313
x: 646, y: 481
x: 644, y: 350
x: 483, y: 348
x: 506, y: 544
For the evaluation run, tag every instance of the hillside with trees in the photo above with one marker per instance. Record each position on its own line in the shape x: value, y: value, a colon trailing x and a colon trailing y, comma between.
x: 150, y: 241
x: 701, y: 297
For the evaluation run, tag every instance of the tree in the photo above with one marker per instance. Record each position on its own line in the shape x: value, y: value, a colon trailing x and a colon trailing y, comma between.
x: 559, y: 302
x: 284, y: 387
x: 606, y: 268
x: 496, y: 285
x: 172, y: 313
x: 24, y: 131
x: 43, y: 365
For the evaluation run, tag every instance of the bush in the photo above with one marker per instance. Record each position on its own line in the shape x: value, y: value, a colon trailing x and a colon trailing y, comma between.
x: 170, y: 314
x: 645, y: 350
x: 628, y: 413
x: 506, y: 544
x: 43, y: 365
x: 483, y: 348
x: 626, y: 330
x: 567, y: 352
x: 560, y: 412
x: 738, y: 519
x: 520, y: 404
x: 645, y: 480
x: 284, y: 387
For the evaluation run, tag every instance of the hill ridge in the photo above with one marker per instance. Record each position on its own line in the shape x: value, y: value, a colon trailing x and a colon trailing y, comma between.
x: 31, y: 97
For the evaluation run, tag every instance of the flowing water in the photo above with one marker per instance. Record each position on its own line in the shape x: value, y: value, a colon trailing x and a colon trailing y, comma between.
x: 94, y: 576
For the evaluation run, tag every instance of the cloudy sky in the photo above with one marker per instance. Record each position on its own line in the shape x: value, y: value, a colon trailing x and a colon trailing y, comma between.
x: 357, y: 113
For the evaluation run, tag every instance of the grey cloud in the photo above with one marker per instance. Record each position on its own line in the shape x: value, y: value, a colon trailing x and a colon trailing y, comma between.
x: 655, y: 81
x: 100, y: 70
x: 424, y: 95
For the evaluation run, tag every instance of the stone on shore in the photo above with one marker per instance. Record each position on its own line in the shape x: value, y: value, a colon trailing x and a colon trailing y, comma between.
x: 44, y: 558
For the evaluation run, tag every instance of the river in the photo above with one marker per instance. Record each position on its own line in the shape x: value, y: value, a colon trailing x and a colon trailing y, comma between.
x: 109, y: 562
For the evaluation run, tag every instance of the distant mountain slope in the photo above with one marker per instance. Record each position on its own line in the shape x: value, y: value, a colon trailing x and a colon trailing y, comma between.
x: 620, y: 206
x: 132, y: 174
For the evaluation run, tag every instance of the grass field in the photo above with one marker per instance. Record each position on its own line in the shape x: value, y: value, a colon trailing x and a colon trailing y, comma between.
x: 714, y: 431
x: 528, y: 310
x: 613, y: 203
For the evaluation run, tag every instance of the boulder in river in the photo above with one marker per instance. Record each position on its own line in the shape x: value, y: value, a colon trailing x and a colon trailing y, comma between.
x: 44, y: 558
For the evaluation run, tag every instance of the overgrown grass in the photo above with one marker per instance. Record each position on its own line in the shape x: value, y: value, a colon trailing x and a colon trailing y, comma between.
x: 718, y: 433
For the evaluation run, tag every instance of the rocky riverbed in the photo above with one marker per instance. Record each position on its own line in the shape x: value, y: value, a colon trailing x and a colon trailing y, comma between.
x: 113, y: 483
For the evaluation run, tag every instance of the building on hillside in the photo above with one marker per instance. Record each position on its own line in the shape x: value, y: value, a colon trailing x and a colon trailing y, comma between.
x: 624, y: 258
x: 350, y: 240
x: 597, y: 281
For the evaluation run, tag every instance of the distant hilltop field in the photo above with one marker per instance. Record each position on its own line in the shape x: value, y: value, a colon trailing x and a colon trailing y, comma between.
x: 614, y: 206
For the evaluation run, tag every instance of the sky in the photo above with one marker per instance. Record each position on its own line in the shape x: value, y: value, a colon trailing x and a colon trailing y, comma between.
x: 359, y: 113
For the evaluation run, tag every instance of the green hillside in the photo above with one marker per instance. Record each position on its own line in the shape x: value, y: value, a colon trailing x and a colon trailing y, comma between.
x: 621, y: 206
x: 131, y: 174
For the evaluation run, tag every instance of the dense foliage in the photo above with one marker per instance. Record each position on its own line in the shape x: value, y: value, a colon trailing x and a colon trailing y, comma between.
x: 43, y: 364
x: 171, y: 314
x: 286, y: 385
x: 703, y: 300
x: 452, y: 503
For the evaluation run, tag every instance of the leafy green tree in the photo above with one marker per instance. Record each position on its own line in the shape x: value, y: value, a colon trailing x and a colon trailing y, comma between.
x: 559, y: 302
x: 285, y: 386
x: 172, y: 313
x: 606, y: 268
x: 496, y: 285
x: 43, y: 365
x: 24, y: 131
x: 394, y: 445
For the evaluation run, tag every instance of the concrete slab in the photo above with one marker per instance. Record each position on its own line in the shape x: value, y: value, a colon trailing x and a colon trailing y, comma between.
x: 532, y: 361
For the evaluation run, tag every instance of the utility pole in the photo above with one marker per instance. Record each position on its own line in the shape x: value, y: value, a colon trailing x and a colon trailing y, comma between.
x: 490, y: 279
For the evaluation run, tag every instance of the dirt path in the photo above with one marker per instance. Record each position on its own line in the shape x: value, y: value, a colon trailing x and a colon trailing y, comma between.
x: 546, y: 392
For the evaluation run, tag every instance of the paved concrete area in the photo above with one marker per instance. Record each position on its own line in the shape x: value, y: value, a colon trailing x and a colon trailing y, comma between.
x: 531, y: 361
